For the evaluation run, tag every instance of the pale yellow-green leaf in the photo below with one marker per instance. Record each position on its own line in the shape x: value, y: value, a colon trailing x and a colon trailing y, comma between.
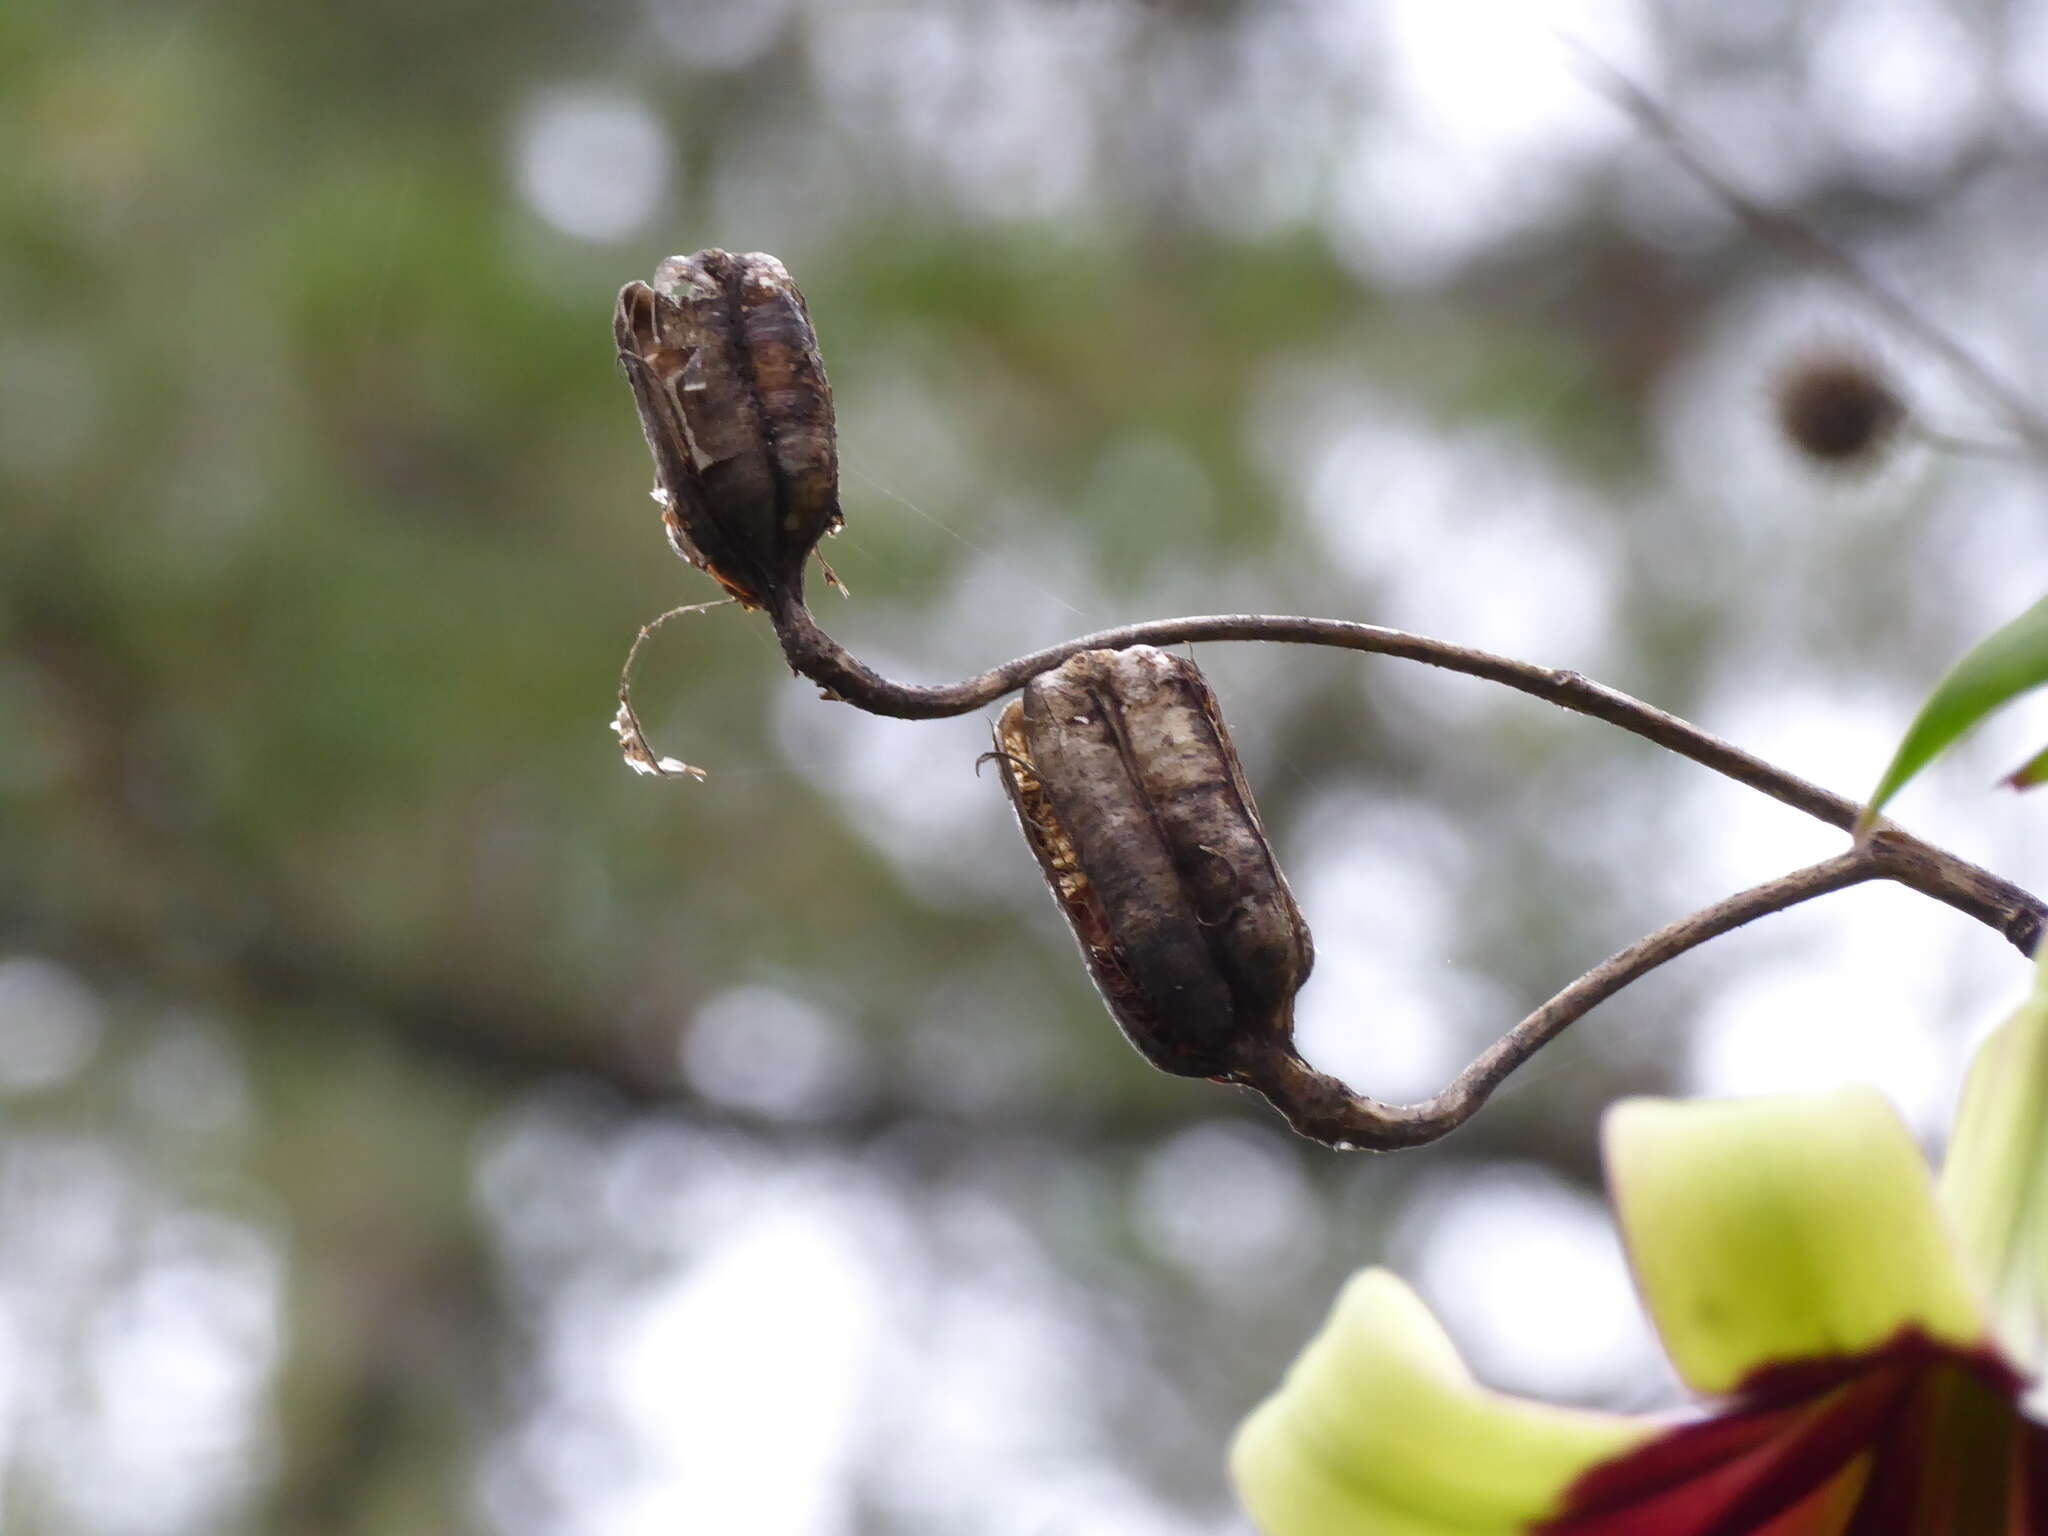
x: 1995, y: 1182
x: 1770, y: 1230
x: 1379, y: 1430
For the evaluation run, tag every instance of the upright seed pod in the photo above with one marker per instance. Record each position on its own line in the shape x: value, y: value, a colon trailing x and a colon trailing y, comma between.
x: 1129, y: 792
x: 737, y: 412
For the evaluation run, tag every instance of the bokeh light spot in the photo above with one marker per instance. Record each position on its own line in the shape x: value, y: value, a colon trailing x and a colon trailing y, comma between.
x: 759, y: 1049
x: 594, y: 165
x: 50, y: 1022
x: 1528, y: 1275
x: 1229, y: 1202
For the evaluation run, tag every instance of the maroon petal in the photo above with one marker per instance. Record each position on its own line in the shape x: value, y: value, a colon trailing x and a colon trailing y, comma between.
x: 1936, y: 1433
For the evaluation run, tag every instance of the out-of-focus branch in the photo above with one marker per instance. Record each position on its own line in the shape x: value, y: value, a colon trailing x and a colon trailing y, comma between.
x: 290, y: 976
x: 1807, y: 244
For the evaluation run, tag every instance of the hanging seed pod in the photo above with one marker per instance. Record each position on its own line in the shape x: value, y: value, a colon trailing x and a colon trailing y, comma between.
x: 1128, y: 790
x: 738, y: 415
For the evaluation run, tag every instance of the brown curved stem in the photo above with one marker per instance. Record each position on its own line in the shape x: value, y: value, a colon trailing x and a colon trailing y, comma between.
x: 1807, y: 244
x: 1893, y: 854
x: 822, y: 659
x: 1323, y: 1109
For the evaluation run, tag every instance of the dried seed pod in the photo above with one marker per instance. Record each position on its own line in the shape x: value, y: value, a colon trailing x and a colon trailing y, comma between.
x: 738, y: 415
x: 1130, y: 794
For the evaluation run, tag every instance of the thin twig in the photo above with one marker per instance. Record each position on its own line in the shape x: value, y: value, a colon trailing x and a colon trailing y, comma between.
x: 1323, y: 1109
x: 1964, y: 447
x: 1809, y: 245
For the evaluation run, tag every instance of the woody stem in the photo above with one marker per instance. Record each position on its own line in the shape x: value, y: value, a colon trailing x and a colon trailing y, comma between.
x: 1323, y: 1109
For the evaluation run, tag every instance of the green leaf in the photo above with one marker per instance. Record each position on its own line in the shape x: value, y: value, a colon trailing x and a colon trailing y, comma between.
x: 1998, y: 670
x: 1778, y: 1229
x: 2033, y: 771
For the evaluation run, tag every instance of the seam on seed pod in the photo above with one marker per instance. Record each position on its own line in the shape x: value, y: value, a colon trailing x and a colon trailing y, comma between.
x: 747, y: 368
